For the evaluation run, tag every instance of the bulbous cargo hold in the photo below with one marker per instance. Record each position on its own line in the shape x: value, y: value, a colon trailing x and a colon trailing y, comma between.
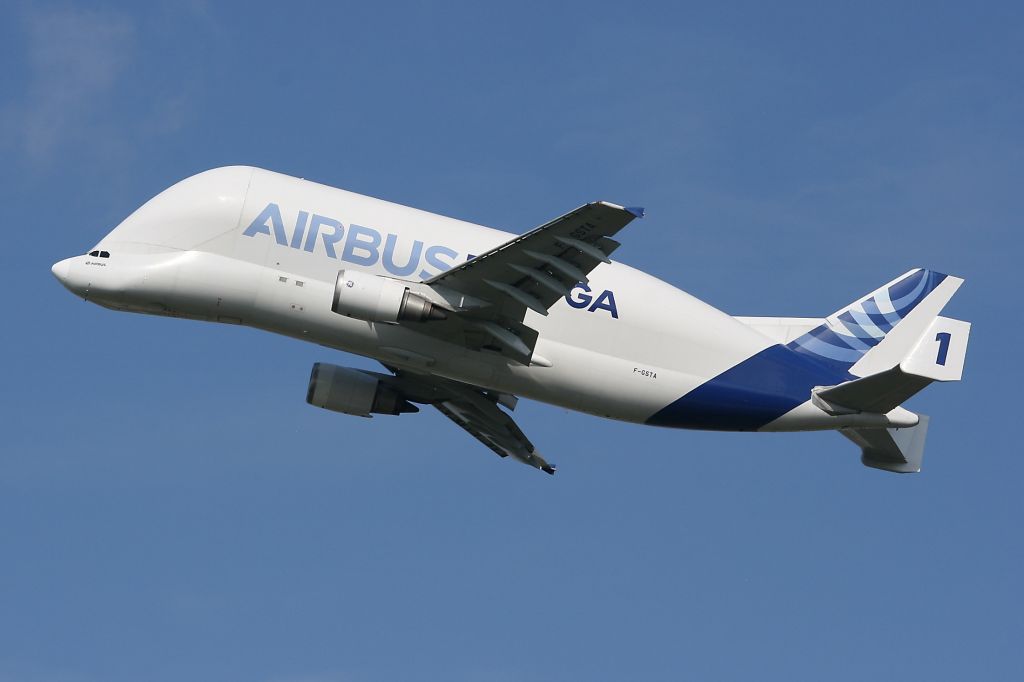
x: 466, y: 318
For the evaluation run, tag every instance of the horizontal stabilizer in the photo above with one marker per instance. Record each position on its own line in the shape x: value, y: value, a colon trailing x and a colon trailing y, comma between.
x: 877, y: 393
x: 938, y: 356
x: 897, y: 450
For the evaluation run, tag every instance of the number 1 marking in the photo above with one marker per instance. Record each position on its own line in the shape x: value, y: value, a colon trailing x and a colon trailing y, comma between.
x: 943, y: 339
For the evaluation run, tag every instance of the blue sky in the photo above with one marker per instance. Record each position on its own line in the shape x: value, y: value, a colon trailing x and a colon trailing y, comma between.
x: 170, y: 508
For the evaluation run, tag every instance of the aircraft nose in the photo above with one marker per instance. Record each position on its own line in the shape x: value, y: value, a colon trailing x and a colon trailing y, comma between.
x: 61, y: 270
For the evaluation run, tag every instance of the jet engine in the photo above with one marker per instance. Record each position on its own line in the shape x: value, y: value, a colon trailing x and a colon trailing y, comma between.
x: 351, y: 391
x: 373, y: 298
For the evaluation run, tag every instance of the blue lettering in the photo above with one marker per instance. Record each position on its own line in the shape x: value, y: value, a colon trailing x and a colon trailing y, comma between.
x: 580, y: 297
x: 329, y: 240
x: 433, y: 257
x: 300, y: 228
x: 943, y: 338
x: 314, y: 229
x: 362, y: 245
x: 584, y: 298
x: 259, y: 226
x: 389, y: 257
x: 606, y: 301
x: 371, y: 245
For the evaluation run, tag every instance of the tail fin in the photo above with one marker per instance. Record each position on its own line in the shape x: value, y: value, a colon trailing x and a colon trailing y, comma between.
x: 892, y: 343
x: 877, y: 331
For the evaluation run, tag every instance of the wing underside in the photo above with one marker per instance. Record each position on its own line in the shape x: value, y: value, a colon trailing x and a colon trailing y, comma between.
x: 490, y: 425
x: 475, y: 410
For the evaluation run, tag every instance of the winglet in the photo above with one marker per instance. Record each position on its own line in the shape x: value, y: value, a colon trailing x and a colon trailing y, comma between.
x: 636, y: 210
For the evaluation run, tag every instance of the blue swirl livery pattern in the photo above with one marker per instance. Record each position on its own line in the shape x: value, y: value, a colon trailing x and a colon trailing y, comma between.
x: 766, y: 386
x: 850, y: 333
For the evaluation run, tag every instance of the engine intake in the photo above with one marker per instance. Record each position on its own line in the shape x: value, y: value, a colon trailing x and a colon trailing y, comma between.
x: 372, y: 298
x: 351, y: 391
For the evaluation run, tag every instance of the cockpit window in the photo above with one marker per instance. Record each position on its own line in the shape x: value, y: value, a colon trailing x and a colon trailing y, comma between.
x: 104, y: 254
x: 94, y: 254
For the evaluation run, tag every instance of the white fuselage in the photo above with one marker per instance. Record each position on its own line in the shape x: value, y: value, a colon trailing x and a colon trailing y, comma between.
x: 248, y: 246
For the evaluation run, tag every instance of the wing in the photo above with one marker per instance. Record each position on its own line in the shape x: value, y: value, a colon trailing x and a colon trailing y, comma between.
x: 475, y: 410
x: 486, y: 422
x: 536, y: 269
x: 491, y: 293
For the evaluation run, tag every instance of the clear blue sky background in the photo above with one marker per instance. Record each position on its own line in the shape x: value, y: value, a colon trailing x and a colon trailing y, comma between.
x: 170, y: 508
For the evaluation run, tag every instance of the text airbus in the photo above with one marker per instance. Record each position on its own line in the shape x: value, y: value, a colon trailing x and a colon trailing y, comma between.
x: 365, y: 246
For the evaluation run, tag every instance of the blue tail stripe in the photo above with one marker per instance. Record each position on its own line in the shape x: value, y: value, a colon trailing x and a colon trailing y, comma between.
x: 826, y: 335
x: 755, y: 392
x: 867, y: 320
x: 817, y: 347
x: 862, y: 326
x: 908, y: 292
x: 766, y: 386
x: 869, y: 311
x: 857, y: 343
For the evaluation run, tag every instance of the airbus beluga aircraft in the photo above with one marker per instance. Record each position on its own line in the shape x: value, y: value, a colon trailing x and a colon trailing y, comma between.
x: 466, y: 318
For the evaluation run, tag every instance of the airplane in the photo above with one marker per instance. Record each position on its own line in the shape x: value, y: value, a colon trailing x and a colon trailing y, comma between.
x: 468, y: 319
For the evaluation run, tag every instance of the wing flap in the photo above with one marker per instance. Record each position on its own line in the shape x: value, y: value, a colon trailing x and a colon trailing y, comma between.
x: 475, y: 410
x: 486, y: 422
x: 490, y: 295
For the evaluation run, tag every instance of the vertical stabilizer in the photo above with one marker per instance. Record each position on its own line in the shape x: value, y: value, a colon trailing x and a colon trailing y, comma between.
x: 881, y: 328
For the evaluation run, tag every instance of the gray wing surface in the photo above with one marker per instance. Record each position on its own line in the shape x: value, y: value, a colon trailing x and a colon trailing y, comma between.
x: 491, y: 293
x: 473, y: 409
x: 534, y: 270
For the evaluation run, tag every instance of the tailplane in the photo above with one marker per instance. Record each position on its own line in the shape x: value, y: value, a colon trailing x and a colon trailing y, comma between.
x: 890, y: 345
x: 939, y: 355
x: 896, y: 450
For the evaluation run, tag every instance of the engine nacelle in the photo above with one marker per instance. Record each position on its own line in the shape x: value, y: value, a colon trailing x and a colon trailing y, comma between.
x: 350, y: 391
x: 372, y: 298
